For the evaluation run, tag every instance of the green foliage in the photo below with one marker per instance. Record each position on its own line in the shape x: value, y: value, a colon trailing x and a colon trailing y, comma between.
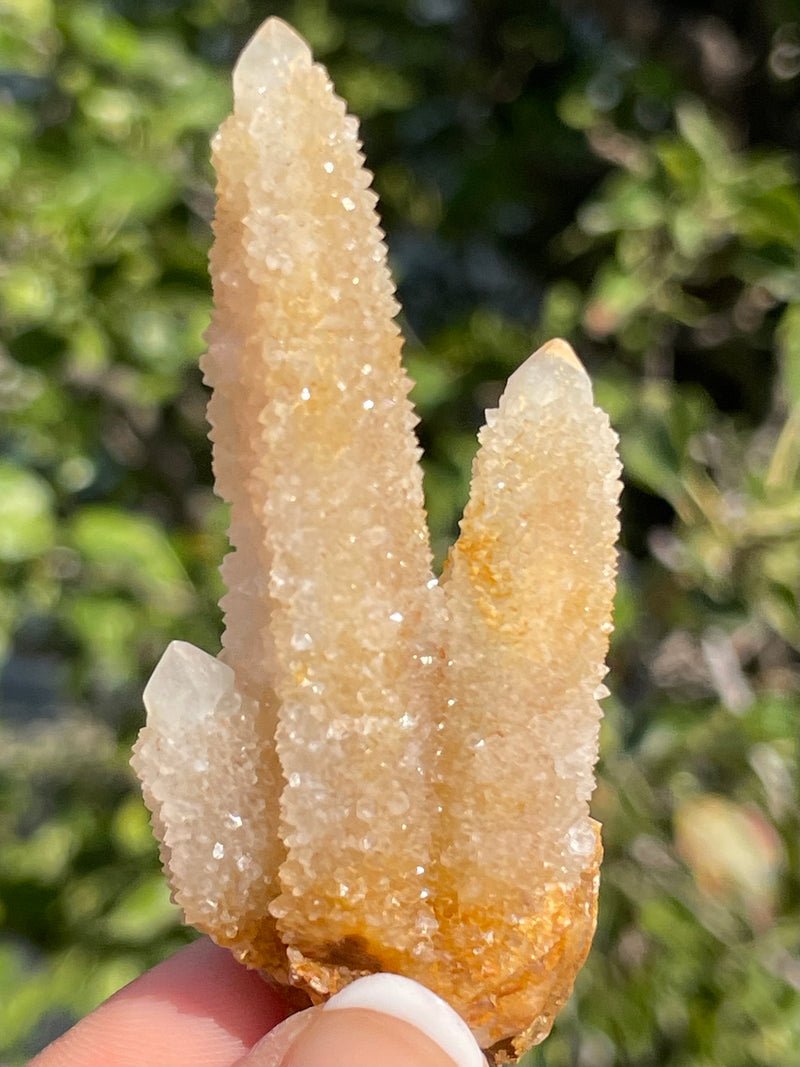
x: 538, y: 176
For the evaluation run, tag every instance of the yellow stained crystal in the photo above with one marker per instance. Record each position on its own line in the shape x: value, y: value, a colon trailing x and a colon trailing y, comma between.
x: 380, y: 771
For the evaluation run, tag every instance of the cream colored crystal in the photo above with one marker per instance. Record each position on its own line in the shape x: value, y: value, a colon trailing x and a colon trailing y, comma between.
x: 381, y: 772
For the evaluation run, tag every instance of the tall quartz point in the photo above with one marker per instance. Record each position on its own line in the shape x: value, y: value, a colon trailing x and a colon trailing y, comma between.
x: 380, y: 771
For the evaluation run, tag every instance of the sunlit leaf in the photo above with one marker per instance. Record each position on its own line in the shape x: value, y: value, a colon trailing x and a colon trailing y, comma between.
x: 27, y: 523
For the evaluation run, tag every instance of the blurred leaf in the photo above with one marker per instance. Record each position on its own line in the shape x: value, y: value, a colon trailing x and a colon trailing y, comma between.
x: 106, y: 189
x: 787, y: 336
x: 143, y: 912
x: 131, y: 549
x: 27, y: 524
x: 734, y: 853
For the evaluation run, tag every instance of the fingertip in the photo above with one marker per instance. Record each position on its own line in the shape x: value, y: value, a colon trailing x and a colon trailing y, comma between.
x: 383, y: 1019
x: 200, y: 1006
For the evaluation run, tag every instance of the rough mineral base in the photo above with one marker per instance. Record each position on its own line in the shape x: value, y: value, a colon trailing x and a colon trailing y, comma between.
x: 381, y: 771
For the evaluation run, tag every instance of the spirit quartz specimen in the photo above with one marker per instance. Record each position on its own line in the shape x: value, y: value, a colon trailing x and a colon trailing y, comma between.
x: 381, y: 771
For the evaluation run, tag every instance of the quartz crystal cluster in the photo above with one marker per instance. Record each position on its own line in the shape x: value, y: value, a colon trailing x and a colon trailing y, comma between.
x: 381, y: 770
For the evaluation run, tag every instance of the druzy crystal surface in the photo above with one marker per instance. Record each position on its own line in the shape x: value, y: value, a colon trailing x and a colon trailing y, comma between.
x: 381, y: 770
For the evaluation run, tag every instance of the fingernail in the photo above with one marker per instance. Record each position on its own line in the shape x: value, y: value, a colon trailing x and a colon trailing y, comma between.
x: 382, y: 1020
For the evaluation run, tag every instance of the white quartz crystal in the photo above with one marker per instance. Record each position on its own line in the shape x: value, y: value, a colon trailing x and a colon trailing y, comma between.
x: 382, y: 771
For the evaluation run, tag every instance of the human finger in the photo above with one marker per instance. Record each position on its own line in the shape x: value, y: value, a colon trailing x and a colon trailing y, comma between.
x: 199, y: 1007
x: 382, y: 1020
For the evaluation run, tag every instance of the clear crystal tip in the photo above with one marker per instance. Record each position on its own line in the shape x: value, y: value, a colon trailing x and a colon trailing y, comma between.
x: 266, y: 61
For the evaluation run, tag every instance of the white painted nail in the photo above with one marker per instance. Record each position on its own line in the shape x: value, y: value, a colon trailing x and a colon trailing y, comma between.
x: 402, y: 998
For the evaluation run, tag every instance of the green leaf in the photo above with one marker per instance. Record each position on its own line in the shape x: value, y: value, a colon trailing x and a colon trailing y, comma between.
x: 27, y: 524
x: 787, y: 342
x: 143, y: 912
x: 108, y: 188
x: 130, y: 549
x: 704, y: 135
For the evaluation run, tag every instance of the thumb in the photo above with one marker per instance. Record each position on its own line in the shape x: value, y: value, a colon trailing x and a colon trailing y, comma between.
x: 382, y: 1020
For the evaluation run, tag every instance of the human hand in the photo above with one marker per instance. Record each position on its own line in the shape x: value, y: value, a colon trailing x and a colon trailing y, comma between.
x: 201, y: 1007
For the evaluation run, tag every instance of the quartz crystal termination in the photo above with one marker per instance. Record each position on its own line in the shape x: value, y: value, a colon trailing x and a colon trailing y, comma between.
x: 528, y: 588
x: 380, y: 771
x: 337, y: 489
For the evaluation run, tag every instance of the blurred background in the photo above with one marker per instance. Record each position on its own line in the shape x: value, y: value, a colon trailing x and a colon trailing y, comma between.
x: 616, y: 173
